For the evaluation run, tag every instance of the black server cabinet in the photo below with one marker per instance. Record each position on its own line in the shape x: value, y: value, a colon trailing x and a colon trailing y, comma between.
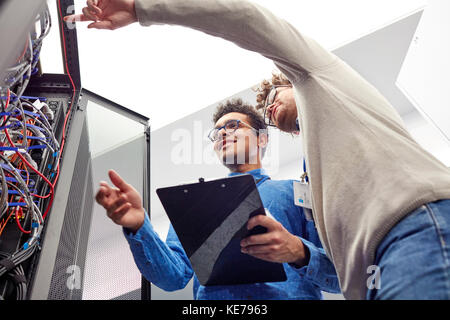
x: 59, y: 270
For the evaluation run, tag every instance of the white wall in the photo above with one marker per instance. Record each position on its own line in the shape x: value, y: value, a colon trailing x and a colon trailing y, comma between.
x: 424, y: 75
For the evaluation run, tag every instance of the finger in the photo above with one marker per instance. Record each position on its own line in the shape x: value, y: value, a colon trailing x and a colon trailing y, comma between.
x: 76, y: 18
x: 92, y: 5
x: 259, y: 249
x: 119, y: 214
x: 262, y: 220
x: 101, y: 195
x: 105, y: 197
x: 107, y: 188
x: 88, y: 14
x: 121, y: 211
x: 264, y: 238
x: 105, y: 25
x: 118, y: 181
x: 117, y: 204
x: 104, y: 183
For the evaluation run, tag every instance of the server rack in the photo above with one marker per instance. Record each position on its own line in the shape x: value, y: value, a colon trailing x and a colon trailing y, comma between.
x: 51, y: 273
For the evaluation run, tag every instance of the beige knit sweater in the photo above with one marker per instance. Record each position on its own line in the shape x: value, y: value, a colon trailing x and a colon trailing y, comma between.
x: 366, y: 171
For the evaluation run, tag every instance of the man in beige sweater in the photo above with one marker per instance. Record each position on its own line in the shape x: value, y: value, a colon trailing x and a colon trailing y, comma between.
x: 378, y: 197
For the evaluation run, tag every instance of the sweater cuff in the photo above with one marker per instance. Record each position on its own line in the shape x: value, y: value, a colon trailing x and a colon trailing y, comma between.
x: 143, y: 12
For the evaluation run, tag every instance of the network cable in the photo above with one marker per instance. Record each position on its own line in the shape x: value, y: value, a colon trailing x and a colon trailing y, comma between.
x: 26, y: 193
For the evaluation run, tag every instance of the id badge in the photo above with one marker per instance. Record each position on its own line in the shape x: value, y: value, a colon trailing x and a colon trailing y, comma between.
x: 302, y: 198
x: 302, y: 195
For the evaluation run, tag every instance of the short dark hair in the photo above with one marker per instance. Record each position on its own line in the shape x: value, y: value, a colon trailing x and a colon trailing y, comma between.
x: 255, y: 118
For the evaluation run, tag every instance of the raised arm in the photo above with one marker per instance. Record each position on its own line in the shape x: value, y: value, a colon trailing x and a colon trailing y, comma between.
x: 245, y: 23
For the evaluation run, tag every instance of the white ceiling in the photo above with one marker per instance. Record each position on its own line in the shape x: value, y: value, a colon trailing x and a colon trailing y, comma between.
x: 379, y: 56
x: 423, y: 77
x: 152, y: 70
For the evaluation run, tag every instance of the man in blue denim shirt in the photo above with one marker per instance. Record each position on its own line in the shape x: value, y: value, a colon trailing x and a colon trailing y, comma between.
x: 240, y: 138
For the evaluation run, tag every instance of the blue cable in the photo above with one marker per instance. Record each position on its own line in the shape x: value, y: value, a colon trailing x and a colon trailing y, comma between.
x: 304, y: 169
x: 14, y: 98
x: 17, y: 204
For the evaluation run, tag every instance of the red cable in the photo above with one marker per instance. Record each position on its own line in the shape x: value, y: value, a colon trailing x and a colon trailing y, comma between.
x: 63, y: 140
x: 17, y: 220
x: 22, y: 158
x: 12, y: 144
x: 41, y: 197
x: 7, y: 99
x: 52, y: 186
x: 26, y: 162
x: 23, y: 53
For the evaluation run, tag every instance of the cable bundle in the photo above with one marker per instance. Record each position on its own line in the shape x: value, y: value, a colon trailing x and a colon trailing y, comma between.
x: 27, y: 141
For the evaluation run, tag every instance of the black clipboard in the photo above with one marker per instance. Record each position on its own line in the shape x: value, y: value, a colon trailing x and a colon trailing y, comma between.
x: 210, y: 219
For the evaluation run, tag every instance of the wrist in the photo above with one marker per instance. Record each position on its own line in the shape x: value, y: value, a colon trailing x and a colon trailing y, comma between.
x: 302, y: 255
x: 138, y: 225
x: 131, y: 4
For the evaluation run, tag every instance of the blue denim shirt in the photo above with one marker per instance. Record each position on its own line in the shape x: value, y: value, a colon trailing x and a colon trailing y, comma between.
x: 166, y: 265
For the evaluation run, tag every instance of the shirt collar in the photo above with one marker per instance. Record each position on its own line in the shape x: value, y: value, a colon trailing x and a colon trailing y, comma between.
x: 257, y: 173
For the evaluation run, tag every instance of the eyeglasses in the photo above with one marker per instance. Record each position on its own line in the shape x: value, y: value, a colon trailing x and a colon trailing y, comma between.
x: 271, y: 100
x: 230, y: 127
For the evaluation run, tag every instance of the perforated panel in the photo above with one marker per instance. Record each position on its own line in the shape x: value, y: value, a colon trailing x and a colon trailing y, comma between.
x: 110, y: 270
x: 75, y: 230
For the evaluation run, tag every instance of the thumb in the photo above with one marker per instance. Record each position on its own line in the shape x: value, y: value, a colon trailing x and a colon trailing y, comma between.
x: 261, y: 220
x: 118, y: 181
x: 105, y: 24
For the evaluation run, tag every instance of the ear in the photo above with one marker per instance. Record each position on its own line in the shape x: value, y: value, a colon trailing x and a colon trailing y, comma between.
x: 263, y: 140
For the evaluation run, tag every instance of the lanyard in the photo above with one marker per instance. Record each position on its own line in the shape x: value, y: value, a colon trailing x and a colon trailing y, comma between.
x: 304, y: 177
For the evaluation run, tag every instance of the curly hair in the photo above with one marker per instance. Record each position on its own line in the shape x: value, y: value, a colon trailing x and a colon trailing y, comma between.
x: 255, y: 118
x: 237, y: 105
x: 264, y: 88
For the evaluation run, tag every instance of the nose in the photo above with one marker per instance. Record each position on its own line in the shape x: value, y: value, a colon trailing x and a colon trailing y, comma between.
x: 222, y: 132
x: 221, y: 136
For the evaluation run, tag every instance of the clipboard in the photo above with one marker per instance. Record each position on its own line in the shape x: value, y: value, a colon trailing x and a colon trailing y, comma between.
x: 210, y: 219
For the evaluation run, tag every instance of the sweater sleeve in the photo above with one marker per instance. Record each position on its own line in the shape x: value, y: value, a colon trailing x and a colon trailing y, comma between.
x: 165, y: 264
x: 248, y: 25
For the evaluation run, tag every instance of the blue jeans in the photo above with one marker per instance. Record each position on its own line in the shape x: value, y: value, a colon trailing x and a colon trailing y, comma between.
x: 413, y: 258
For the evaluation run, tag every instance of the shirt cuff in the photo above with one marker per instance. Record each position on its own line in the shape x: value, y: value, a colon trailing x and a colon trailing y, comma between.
x: 316, y: 271
x: 141, y: 233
